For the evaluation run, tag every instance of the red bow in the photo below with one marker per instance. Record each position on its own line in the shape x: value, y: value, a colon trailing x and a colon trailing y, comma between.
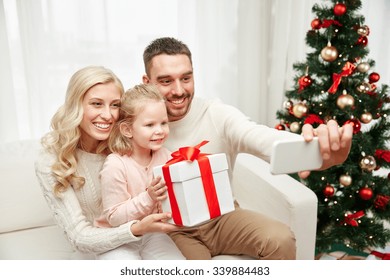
x: 383, y: 256
x: 191, y: 154
x: 187, y: 153
x: 328, y: 22
x: 347, y: 70
x: 383, y: 154
x: 350, y: 219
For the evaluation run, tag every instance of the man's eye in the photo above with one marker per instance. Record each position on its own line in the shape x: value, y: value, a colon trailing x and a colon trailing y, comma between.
x: 187, y: 79
x: 117, y: 105
x: 165, y: 82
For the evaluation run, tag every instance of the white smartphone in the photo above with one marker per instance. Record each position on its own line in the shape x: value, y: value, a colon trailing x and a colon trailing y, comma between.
x: 294, y: 155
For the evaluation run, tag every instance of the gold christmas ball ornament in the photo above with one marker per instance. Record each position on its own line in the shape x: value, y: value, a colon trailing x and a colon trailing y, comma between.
x: 295, y: 127
x: 363, y: 67
x: 364, y: 87
x: 366, y: 117
x: 329, y: 53
x: 363, y: 30
x: 368, y: 163
x: 345, y: 100
x: 345, y: 180
x: 299, y: 110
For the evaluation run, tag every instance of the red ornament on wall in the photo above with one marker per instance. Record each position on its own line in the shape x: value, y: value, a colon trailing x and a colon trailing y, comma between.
x: 339, y: 9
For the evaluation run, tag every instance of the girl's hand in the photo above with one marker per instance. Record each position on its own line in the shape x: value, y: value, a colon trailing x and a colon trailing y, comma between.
x: 157, y: 189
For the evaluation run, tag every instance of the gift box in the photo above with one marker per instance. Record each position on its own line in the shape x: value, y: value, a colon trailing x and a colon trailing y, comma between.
x: 198, y: 189
x: 379, y: 254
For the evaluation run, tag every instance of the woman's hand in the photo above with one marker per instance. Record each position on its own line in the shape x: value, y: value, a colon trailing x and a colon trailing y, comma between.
x: 157, y: 189
x: 335, y: 143
x: 153, y: 223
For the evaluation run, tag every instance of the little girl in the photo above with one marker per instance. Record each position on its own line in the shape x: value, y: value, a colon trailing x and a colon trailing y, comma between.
x: 129, y: 191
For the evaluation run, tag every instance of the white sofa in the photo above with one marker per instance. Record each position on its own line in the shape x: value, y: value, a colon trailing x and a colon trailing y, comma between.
x: 28, y: 231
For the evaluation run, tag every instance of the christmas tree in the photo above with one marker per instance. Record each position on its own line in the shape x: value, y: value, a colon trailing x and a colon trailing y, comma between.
x: 337, y: 82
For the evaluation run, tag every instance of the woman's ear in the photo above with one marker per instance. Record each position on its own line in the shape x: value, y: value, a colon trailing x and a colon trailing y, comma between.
x: 125, y: 129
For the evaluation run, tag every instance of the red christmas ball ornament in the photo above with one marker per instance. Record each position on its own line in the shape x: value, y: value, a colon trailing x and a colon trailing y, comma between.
x: 365, y: 193
x: 280, y: 127
x: 328, y: 191
x: 339, y: 9
x: 363, y: 40
x: 356, y: 125
x: 304, y: 82
x: 316, y: 23
x: 374, y: 77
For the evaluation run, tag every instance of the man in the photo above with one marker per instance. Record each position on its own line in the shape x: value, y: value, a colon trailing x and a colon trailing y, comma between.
x: 168, y: 64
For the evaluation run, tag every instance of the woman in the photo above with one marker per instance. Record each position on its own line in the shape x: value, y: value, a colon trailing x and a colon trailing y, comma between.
x: 74, y: 152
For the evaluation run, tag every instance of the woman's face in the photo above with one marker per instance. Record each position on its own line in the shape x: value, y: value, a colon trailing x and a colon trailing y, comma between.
x: 101, y: 110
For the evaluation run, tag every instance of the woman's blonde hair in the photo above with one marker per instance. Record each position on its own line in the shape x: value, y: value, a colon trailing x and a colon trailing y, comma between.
x: 64, y: 137
x: 132, y: 103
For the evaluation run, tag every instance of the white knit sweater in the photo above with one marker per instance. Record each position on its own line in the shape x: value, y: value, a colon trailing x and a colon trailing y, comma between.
x: 76, y: 210
x: 226, y: 128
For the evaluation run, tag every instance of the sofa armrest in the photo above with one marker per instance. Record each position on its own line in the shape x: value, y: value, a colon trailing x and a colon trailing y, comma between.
x: 278, y: 196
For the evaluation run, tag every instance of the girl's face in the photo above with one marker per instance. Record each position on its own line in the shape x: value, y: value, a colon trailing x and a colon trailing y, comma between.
x: 150, y: 128
x: 101, y: 110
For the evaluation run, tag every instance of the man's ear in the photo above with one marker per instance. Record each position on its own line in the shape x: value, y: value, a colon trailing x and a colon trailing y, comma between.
x: 145, y: 79
x: 125, y: 129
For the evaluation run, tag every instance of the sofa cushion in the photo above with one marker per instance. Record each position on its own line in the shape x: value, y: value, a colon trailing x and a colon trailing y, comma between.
x: 21, y: 201
x: 45, y: 243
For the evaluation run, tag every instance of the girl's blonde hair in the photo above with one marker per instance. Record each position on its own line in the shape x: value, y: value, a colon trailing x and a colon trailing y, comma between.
x: 64, y: 137
x: 132, y: 103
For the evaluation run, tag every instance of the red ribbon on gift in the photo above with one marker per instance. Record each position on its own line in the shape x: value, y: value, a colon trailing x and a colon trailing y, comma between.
x: 191, y: 154
x: 347, y: 70
x: 350, y: 219
x: 383, y: 256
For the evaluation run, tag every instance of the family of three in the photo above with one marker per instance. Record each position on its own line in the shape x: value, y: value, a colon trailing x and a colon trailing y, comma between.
x: 95, y: 168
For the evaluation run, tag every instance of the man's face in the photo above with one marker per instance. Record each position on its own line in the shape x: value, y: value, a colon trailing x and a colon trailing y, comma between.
x: 173, y: 75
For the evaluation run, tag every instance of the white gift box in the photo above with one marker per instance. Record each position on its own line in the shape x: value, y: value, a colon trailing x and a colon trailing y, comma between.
x: 385, y: 250
x: 189, y: 190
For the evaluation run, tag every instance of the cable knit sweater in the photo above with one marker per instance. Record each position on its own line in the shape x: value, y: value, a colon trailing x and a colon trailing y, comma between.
x: 76, y: 211
x: 228, y: 130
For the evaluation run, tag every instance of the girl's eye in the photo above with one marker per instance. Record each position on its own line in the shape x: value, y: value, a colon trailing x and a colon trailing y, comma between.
x: 96, y: 103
